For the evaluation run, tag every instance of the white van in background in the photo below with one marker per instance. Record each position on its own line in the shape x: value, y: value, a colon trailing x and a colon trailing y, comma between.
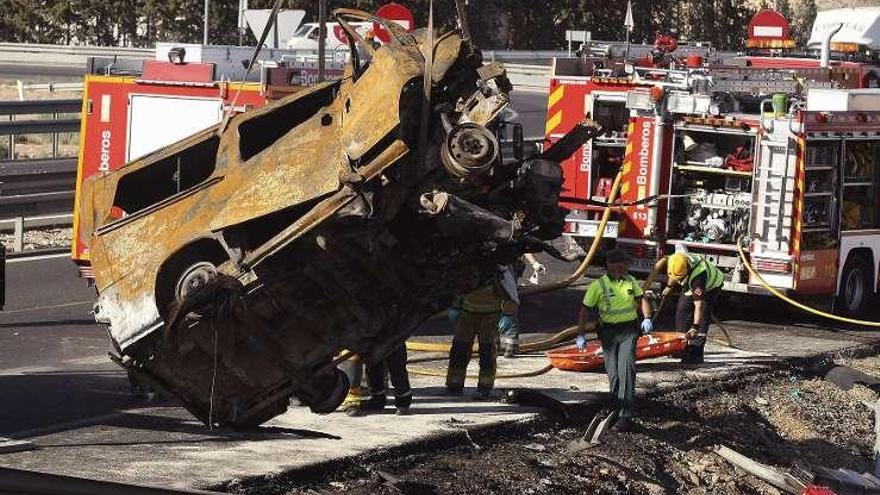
x: 306, y: 37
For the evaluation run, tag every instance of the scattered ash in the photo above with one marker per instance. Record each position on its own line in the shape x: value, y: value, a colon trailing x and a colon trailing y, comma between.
x: 782, y: 419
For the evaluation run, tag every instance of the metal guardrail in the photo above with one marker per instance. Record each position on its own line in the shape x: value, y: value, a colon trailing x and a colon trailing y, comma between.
x: 40, y: 107
x: 35, y: 54
x: 37, y: 192
x: 38, y: 127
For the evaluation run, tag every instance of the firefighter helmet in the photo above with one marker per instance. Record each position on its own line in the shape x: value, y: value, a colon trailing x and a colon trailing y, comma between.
x: 677, y: 267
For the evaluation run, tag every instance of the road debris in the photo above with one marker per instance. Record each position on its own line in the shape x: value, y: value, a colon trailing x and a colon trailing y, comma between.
x: 671, y: 452
x: 764, y: 472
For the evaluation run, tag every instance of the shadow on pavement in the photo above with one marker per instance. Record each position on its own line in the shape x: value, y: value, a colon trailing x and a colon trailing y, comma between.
x: 50, y: 401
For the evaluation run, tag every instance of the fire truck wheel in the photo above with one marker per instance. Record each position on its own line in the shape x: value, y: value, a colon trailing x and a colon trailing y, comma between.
x: 855, y: 287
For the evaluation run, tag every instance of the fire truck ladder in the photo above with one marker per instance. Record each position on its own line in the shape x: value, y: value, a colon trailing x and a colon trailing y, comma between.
x: 773, y: 191
x: 668, y: 78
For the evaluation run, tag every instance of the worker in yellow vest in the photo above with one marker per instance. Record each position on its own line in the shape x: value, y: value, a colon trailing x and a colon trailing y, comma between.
x: 701, y: 282
x: 481, y: 314
x: 614, y: 301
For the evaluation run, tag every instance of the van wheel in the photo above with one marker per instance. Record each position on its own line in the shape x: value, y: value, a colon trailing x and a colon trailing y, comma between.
x: 193, y: 278
x: 856, y: 289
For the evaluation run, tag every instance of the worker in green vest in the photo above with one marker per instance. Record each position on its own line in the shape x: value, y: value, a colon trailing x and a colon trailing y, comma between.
x: 701, y: 282
x: 614, y: 301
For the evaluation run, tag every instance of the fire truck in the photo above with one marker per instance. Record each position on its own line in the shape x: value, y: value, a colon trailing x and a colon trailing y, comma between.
x: 777, y: 148
x: 132, y: 108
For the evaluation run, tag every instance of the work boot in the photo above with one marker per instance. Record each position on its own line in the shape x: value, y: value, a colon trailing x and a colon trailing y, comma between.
x: 454, y: 391
x: 693, y: 355
x: 623, y: 424
x: 509, y: 351
x: 511, y: 346
x: 352, y: 403
x: 402, y: 411
x: 481, y: 394
x: 375, y: 403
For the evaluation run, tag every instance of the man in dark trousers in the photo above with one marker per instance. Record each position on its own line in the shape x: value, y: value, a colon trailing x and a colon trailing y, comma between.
x: 394, y: 365
x: 701, y: 282
x: 614, y: 301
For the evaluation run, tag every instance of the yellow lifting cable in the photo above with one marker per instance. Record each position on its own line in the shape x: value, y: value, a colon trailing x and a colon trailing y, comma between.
x: 794, y: 303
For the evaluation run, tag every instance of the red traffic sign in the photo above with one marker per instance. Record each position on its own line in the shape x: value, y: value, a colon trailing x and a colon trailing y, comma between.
x: 396, y: 13
x: 768, y: 25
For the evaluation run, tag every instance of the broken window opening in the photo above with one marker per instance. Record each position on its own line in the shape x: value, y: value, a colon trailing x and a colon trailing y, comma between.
x: 258, y: 133
x: 166, y: 177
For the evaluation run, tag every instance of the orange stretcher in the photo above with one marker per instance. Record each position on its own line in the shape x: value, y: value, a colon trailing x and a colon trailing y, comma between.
x: 591, y: 358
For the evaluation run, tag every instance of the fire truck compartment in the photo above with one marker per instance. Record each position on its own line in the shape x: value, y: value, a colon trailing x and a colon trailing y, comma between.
x: 711, y: 185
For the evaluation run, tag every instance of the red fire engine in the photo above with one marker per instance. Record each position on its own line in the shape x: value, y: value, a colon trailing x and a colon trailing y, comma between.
x: 775, y: 148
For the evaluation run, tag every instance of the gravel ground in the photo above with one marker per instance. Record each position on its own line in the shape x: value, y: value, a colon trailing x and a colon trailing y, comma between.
x: 41, y: 238
x: 784, y: 419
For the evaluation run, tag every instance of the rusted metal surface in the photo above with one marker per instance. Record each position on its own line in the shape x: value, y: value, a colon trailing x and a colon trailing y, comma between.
x: 234, y: 265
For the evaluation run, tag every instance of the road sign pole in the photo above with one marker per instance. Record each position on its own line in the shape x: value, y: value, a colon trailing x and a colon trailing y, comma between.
x: 322, y: 38
x: 205, y: 34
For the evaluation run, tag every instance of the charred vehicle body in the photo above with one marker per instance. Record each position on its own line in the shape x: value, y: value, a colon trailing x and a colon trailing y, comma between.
x: 234, y: 266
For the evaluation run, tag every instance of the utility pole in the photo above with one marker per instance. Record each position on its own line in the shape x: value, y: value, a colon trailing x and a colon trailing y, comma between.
x: 205, y: 34
x: 322, y: 37
x: 242, y: 24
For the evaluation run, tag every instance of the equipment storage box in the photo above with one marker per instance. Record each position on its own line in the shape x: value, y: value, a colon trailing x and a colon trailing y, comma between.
x: 843, y: 100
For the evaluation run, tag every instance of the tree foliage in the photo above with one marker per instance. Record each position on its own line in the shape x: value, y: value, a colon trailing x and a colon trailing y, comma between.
x: 496, y: 24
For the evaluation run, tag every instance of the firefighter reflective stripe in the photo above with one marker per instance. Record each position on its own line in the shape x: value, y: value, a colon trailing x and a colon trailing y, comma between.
x: 482, y: 301
x: 714, y: 276
x: 618, y: 300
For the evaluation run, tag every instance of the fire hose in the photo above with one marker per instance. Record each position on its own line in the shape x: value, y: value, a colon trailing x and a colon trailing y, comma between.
x: 780, y: 295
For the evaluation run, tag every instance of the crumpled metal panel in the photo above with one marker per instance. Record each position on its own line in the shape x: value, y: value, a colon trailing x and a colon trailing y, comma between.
x: 298, y: 167
x: 339, y: 233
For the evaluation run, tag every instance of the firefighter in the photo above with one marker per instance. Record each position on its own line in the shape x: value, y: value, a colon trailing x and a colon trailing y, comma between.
x: 354, y: 369
x: 701, y: 282
x: 394, y: 365
x: 482, y: 314
x: 510, y: 329
x: 614, y: 301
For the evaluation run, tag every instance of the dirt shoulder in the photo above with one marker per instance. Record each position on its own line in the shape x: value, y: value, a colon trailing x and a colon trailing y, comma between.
x: 788, y: 418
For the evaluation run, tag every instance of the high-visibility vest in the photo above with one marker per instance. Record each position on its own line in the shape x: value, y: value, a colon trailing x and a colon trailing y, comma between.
x: 699, y: 265
x: 618, y: 301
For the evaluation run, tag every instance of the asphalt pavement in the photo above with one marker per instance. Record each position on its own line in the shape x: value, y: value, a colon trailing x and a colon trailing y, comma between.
x: 53, y: 357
